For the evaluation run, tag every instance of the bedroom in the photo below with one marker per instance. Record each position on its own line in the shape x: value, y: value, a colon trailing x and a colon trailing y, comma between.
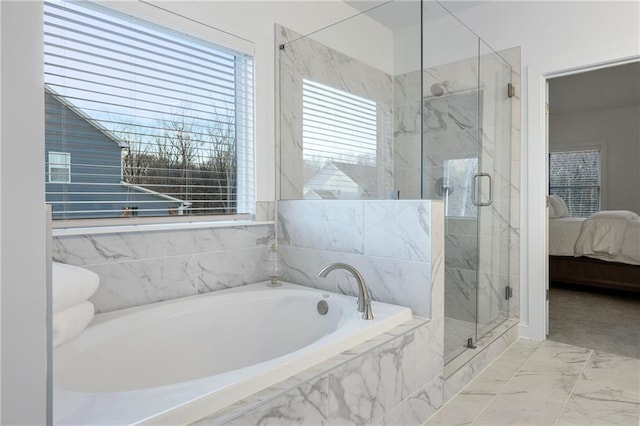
x: 594, y: 152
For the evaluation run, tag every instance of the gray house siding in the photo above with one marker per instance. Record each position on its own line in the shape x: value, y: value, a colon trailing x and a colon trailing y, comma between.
x: 95, y: 189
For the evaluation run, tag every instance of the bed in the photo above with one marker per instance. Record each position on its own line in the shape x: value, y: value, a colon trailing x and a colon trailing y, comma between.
x: 599, y: 253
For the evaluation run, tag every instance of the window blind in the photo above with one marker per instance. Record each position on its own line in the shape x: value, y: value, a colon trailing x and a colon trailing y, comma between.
x: 154, y: 122
x: 575, y: 177
x: 339, y: 139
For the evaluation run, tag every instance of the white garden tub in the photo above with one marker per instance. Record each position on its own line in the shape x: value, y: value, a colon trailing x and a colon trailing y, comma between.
x: 174, y: 362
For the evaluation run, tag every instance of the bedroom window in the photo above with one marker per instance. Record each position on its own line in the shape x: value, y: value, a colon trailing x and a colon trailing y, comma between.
x: 339, y: 138
x: 155, y: 122
x: 575, y: 176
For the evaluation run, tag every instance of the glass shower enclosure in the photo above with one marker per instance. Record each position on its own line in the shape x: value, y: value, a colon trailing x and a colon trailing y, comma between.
x: 404, y: 101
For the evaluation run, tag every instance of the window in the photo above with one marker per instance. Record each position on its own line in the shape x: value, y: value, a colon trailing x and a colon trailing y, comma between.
x: 574, y: 175
x: 59, y: 167
x: 457, y: 185
x: 339, y: 138
x: 154, y: 122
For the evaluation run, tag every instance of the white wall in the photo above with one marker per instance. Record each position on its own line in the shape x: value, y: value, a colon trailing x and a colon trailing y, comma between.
x: 619, y: 130
x: 460, y: 43
x: 555, y: 37
x: 22, y: 216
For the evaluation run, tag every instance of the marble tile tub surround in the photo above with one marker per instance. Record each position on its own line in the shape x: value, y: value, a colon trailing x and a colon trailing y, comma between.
x: 395, y: 378
x: 265, y: 211
x: 305, y: 58
x: 548, y: 383
x: 138, y: 268
x: 389, y: 242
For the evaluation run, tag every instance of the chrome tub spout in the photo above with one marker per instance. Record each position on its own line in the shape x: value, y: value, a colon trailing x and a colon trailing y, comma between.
x: 364, y: 298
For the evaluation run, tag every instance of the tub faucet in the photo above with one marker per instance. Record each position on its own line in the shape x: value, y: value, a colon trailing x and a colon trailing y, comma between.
x: 364, y: 299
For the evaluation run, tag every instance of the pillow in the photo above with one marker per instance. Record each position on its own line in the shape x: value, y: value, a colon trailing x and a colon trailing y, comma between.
x: 552, y: 210
x: 557, y: 207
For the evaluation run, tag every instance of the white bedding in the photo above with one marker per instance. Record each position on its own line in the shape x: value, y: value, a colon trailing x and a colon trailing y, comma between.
x: 564, y: 233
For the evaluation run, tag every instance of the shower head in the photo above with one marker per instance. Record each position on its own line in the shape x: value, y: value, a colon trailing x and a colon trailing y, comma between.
x: 438, y: 89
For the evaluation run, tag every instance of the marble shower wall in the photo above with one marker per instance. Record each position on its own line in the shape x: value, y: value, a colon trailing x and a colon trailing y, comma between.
x: 137, y: 268
x: 303, y: 58
x: 389, y: 242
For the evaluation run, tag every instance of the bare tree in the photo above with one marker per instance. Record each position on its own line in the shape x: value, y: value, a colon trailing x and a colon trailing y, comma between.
x: 190, y: 161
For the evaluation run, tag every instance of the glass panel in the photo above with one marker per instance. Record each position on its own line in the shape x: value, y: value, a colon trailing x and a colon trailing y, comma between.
x: 450, y: 160
x: 339, y: 143
x: 417, y: 111
x: 348, y: 94
x: 495, y: 163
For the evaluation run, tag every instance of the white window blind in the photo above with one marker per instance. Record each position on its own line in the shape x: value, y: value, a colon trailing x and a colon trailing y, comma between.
x: 575, y: 177
x: 339, y: 138
x: 155, y: 122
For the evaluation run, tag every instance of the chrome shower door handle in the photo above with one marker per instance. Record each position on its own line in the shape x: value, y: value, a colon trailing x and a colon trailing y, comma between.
x: 475, y: 190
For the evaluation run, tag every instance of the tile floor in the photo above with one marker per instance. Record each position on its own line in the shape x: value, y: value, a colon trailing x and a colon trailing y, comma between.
x: 549, y: 383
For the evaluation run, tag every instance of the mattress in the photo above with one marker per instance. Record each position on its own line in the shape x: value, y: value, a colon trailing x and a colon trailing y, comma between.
x: 564, y: 232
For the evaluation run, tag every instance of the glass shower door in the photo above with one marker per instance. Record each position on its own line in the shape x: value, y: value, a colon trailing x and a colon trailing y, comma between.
x: 452, y: 107
x: 466, y: 162
x: 492, y: 189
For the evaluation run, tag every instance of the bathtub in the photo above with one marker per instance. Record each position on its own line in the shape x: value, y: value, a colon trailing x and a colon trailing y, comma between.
x: 177, y: 361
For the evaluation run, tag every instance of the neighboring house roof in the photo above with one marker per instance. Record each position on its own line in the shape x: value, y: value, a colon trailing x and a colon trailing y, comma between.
x: 121, y: 144
x: 337, y: 177
x: 319, y: 194
x: 65, y: 102
x: 157, y: 194
x: 365, y: 176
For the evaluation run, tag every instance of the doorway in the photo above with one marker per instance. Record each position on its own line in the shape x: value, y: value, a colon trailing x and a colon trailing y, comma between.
x: 593, y: 148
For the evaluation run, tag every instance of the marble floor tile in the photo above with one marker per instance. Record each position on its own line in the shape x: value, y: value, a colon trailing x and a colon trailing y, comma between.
x: 529, y: 399
x: 582, y: 410
x: 612, y: 371
x: 518, y: 409
x: 607, y: 392
x: 554, y: 357
x: 461, y: 410
x: 549, y: 384
x: 497, y: 375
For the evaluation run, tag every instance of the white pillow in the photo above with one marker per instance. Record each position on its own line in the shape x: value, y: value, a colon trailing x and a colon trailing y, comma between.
x: 552, y: 210
x: 557, y: 207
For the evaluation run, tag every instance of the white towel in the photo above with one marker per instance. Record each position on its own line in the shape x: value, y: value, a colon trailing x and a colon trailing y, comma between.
x: 72, y: 285
x: 71, y: 322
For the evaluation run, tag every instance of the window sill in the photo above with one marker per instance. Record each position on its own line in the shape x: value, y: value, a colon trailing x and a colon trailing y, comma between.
x: 151, y: 227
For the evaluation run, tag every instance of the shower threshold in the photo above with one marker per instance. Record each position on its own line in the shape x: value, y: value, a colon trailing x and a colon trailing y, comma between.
x: 456, y: 354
